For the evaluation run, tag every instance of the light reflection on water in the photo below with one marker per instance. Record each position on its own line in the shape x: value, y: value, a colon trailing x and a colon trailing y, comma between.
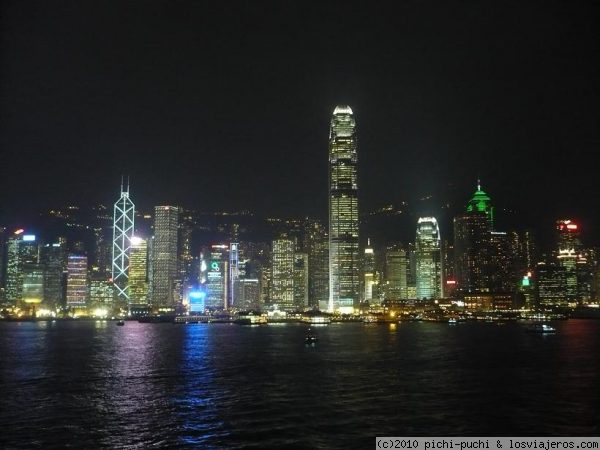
x: 94, y: 384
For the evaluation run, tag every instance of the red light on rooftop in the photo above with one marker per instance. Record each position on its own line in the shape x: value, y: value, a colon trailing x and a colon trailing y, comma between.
x: 19, y: 231
x: 450, y: 281
x: 571, y: 226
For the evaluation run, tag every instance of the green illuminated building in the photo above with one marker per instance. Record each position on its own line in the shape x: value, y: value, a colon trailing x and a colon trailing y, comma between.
x: 481, y: 202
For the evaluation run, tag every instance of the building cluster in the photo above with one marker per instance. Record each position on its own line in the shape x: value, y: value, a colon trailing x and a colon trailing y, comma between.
x: 306, y: 266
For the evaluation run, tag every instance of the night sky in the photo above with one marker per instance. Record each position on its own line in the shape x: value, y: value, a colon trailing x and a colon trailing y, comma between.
x: 224, y: 105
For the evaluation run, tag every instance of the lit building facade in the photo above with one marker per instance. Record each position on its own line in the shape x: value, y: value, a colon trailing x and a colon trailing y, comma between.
x: 282, y: 280
x: 138, y: 271
x: 123, y: 226
x: 23, y: 250
x: 344, y: 282
x: 54, y: 258
x: 164, y: 257
x: 317, y: 247
x: 301, y: 267
x: 77, y: 283
x: 396, y: 274
x: 214, y: 276
x: 428, y: 258
x: 369, y: 273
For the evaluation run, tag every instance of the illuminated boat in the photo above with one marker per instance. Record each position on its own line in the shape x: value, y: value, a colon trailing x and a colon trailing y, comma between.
x: 541, y: 328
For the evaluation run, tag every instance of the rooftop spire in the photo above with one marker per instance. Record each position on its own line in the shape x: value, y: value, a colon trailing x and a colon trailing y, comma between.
x: 478, y: 184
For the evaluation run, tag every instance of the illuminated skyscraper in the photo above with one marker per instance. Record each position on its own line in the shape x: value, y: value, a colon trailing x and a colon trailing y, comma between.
x: 571, y: 258
x: 123, y: 223
x: 54, y: 258
x: 301, y: 267
x: 343, y: 212
x: 77, y: 283
x: 138, y: 269
x: 214, y: 276
x: 282, y: 290
x: 428, y: 259
x: 22, y: 251
x: 317, y: 246
x: 481, y: 202
x: 396, y: 274
x: 164, y: 257
x: 369, y: 272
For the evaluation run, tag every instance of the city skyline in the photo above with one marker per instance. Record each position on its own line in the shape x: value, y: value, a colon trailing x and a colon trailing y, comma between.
x: 438, y: 107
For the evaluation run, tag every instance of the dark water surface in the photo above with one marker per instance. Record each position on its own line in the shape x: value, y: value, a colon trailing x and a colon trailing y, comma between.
x: 93, y: 384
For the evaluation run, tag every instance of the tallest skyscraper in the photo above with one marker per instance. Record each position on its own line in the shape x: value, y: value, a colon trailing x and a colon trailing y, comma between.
x: 343, y: 212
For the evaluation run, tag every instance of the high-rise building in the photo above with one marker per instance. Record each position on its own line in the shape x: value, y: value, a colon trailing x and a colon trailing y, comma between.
x: 214, y: 276
x: 570, y: 257
x: 301, y: 267
x: 22, y: 250
x: 550, y: 282
x: 396, y: 274
x: 472, y: 252
x: 368, y: 272
x: 234, y: 270
x: 247, y: 294
x: 54, y: 259
x: 282, y: 281
x: 3, y: 235
x: 344, y: 277
x: 428, y: 259
x: 164, y: 257
x: 317, y: 247
x: 101, y: 295
x: 77, y: 283
x: 123, y: 227
x: 33, y: 284
x: 481, y: 202
x: 138, y: 271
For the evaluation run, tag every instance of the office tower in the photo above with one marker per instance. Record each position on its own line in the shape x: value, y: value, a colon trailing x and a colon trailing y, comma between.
x: 317, y: 247
x: 77, y: 283
x: 247, y: 294
x: 428, y: 259
x: 3, y: 235
x: 551, y: 281
x: 344, y: 279
x: 234, y: 271
x: 282, y: 281
x: 368, y: 273
x: 481, y: 202
x: 123, y: 227
x: 570, y: 256
x: 396, y: 271
x: 138, y: 269
x: 164, y: 257
x: 504, y: 274
x: 186, y: 259
x: 102, y: 263
x: 22, y: 249
x: 101, y: 295
x: 301, y: 267
x: 54, y: 259
x: 33, y: 284
x: 471, y: 252
x: 214, y: 276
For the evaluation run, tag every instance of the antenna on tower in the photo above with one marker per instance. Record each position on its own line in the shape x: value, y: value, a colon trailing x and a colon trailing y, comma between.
x: 128, y: 184
x: 121, y: 183
x: 478, y: 183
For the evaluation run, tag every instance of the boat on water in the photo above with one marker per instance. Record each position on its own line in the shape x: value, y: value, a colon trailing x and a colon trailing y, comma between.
x: 316, y: 320
x: 452, y: 321
x: 541, y: 328
x: 310, y: 338
x: 120, y: 323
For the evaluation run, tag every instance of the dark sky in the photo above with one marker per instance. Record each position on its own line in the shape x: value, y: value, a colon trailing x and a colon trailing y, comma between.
x: 223, y: 105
